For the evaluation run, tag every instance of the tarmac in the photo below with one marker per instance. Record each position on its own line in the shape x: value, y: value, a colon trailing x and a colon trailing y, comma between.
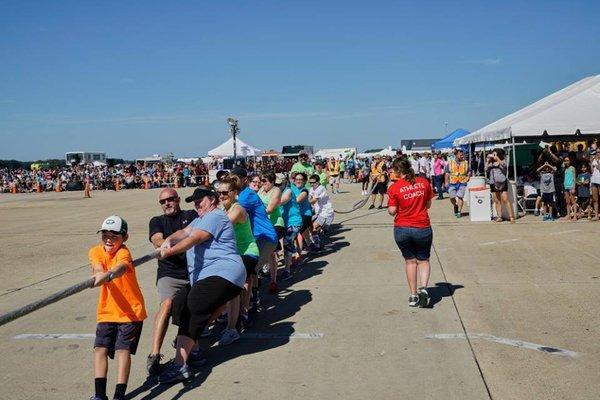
x: 514, y: 310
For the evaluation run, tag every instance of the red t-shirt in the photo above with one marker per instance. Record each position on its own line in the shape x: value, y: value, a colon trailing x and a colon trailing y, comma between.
x: 411, y: 202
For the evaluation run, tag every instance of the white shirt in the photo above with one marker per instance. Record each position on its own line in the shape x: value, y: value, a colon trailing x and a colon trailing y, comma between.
x: 595, y: 171
x: 323, y: 206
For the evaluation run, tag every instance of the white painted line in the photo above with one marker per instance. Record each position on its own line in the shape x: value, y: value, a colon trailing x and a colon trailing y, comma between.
x: 509, y: 342
x: 55, y: 336
x: 498, y: 241
x: 249, y: 335
x: 565, y: 232
x: 312, y: 335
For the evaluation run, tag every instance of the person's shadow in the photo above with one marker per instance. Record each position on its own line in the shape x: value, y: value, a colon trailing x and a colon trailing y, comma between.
x: 439, y: 291
x: 274, y: 310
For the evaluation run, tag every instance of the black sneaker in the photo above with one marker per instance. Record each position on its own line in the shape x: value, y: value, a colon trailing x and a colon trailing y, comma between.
x: 153, y: 364
x: 423, y: 297
x: 372, y: 206
x: 455, y: 209
x: 413, y: 300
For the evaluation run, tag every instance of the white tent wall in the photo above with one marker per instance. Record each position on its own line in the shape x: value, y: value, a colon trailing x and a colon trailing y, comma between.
x: 243, y: 149
x: 563, y: 113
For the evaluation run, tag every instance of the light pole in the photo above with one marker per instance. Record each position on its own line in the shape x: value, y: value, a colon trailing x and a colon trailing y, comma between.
x: 233, y: 129
x: 446, y: 127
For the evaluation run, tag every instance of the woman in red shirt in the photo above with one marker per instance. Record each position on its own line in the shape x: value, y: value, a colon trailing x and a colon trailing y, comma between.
x: 409, y: 202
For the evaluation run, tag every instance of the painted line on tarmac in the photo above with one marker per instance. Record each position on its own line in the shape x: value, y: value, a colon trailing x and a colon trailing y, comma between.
x: 498, y: 241
x: 249, y: 335
x: 565, y: 232
x: 509, y: 342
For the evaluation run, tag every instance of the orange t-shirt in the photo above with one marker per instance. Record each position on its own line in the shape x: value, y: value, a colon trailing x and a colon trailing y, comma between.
x: 121, y: 299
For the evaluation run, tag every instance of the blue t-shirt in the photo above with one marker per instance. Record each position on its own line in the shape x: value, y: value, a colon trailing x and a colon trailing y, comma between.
x: 291, y: 211
x: 262, y: 228
x: 218, y: 256
x: 305, y: 208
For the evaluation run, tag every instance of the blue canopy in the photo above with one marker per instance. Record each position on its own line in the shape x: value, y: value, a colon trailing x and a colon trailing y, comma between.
x: 448, y: 141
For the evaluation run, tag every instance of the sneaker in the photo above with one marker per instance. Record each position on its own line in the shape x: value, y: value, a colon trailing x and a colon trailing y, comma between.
x: 206, y: 332
x: 413, y: 300
x: 98, y: 398
x: 372, y: 206
x: 273, y: 288
x: 153, y: 364
x: 222, y: 318
x: 457, y: 215
x: 264, y: 272
x: 536, y: 213
x: 228, y: 336
x: 244, y: 322
x: 174, y: 373
x: 423, y: 297
x: 380, y: 208
x: 285, y: 275
x: 196, y: 358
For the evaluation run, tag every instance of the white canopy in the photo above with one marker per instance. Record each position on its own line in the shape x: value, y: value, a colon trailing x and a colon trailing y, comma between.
x: 336, y: 153
x: 226, y: 149
x: 576, y: 107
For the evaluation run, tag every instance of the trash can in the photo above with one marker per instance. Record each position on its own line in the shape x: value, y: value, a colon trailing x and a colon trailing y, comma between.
x: 480, y: 204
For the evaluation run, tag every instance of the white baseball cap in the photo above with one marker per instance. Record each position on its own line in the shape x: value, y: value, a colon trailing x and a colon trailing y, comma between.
x: 114, y: 223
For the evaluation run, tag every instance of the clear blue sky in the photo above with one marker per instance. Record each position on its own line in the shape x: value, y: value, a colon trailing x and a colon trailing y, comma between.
x: 141, y: 77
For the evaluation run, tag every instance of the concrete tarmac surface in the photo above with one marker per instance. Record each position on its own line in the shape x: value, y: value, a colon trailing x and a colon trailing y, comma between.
x: 515, y: 313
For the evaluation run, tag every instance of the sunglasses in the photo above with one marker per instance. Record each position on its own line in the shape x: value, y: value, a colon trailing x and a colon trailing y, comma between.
x: 168, y: 200
x: 313, y: 182
x: 264, y: 180
x: 223, y: 192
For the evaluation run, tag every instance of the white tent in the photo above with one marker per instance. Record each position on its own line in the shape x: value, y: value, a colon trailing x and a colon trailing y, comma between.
x: 226, y: 149
x: 563, y: 113
x: 336, y: 153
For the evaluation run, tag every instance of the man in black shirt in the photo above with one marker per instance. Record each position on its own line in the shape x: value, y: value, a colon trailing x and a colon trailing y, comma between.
x: 172, y: 271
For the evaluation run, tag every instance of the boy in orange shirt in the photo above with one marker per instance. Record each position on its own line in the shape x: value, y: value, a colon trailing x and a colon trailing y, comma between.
x: 121, y: 307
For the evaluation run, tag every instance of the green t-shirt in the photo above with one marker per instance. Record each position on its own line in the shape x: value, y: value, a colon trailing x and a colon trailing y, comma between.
x: 323, y: 178
x: 244, y: 238
x: 342, y: 166
x: 306, y: 168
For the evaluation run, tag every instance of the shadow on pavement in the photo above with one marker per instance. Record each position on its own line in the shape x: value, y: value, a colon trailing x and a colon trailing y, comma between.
x: 439, y: 291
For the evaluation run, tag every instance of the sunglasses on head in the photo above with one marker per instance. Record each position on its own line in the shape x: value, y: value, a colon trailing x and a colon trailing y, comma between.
x: 168, y: 200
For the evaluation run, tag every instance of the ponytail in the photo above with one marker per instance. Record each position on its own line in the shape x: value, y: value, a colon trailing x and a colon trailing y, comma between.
x: 403, y: 167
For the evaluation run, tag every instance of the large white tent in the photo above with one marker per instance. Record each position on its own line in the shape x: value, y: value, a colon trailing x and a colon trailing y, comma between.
x: 226, y: 149
x: 563, y: 113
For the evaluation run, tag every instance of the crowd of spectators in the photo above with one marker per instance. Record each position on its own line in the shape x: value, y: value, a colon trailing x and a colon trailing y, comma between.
x: 103, y: 177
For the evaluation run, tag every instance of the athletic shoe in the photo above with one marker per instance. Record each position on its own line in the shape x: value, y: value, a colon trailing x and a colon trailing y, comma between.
x: 264, y: 272
x: 228, y: 336
x: 372, y: 206
x: 153, y: 364
x: 196, y: 358
x: 536, y: 213
x: 273, y: 288
x: 222, y: 318
x: 174, y: 373
x: 413, y: 300
x: 244, y: 322
x: 206, y: 332
x: 98, y: 398
x: 457, y: 215
x: 285, y: 275
x: 380, y: 208
x: 423, y: 297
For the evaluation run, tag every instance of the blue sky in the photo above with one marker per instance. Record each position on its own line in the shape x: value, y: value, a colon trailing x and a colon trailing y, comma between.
x: 141, y: 77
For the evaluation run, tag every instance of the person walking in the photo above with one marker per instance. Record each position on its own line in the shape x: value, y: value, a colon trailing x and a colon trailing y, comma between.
x: 409, y: 201
x: 457, y: 176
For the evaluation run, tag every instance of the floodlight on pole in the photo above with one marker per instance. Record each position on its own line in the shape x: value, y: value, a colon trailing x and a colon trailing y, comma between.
x: 233, y: 129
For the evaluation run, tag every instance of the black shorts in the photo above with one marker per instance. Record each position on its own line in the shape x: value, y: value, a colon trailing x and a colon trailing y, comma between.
x: 380, y: 188
x: 582, y: 201
x: 250, y: 264
x: 193, y: 306
x: 280, y: 231
x: 118, y: 336
x: 502, y: 187
x: 306, y: 223
x: 548, y: 198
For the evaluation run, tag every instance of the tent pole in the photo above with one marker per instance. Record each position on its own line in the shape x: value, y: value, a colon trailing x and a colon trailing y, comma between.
x: 514, y: 162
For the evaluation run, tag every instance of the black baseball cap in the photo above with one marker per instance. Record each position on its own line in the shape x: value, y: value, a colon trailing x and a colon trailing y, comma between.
x: 200, y: 193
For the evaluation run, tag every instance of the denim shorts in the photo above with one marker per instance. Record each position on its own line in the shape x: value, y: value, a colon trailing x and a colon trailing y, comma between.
x: 414, y: 242
x: 289, y: 246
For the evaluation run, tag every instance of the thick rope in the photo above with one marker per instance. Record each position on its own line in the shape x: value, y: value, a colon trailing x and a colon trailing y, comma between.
x: 89, y: 283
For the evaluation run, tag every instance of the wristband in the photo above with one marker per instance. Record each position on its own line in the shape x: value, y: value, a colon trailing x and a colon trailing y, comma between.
x: 111, y: 276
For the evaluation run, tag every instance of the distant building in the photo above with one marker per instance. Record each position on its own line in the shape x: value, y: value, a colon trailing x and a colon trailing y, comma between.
x: 294, y: 150
x: 85, y: 157
x: 418, y: 145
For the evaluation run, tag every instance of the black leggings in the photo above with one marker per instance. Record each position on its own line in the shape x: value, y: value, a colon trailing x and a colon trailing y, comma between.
x: 193, y: 306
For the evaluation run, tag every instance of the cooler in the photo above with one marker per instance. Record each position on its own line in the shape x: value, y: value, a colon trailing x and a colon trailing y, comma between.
x: 480, y: 205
